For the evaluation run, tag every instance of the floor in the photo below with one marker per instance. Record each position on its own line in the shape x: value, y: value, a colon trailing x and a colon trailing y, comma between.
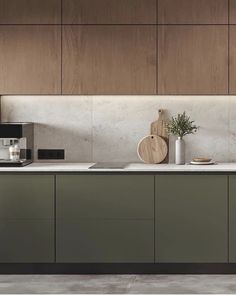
x: 113, y: 284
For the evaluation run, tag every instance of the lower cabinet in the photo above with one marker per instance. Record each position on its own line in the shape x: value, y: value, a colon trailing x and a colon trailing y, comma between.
x: 192, y: 218
x: 105, y: 218
x: 232, y: 218
x: 26, y: 218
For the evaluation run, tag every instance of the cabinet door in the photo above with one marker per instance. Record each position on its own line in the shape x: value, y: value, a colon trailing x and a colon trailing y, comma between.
x: 191, y: 218
x: 105, y: 218
x: 232, y: 218
x: 105, y: 241
x: 232, y: 59
x: 232, y: 11
x: 193, y: 11
x: 105, y: 196
x: 109, y: 59
x: 26, y: 218
x: 193, y: 60
x: 30, y: 12
x: 109, y: 11
x: 31, y: 60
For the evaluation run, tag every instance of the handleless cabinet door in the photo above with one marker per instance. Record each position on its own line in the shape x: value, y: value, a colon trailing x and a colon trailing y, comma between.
x: 193, y: 59
x: 232, y: 59
x: 30, y: 59
x: 26, y: 218
x: 232, y: 218
x: 109, y: 59
x: 109, y: 11
x: 105, y: 218
x: 193, y: 11
x: 30, y: 12
x: 191, y: 218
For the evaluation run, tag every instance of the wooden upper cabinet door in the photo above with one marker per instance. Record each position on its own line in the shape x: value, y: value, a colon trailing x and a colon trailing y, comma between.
x: 30, y: 11
x: 30, y: 59
x: 109, y: 59
x: 109, y: 11
x: 193, y: 11
x: 232, y: 11
x: 232, y: 60
x: 193, y: 59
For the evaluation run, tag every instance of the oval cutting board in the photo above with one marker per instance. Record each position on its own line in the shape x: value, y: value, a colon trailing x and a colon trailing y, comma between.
x: 152, y: 149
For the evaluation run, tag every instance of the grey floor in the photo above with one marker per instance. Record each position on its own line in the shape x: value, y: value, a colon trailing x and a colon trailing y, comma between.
x: 113, y: 284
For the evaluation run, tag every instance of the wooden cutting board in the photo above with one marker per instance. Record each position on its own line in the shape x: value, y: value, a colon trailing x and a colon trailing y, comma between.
x: 152, y: 149
x: 159, y: 128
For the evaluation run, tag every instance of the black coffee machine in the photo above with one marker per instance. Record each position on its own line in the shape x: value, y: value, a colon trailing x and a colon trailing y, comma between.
x: 16, y: 144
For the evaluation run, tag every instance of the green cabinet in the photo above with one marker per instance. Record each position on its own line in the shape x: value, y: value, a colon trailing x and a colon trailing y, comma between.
x: 191, y: 218
x: 232, y: 218
x: 26, y: 218
x: 105, y: 218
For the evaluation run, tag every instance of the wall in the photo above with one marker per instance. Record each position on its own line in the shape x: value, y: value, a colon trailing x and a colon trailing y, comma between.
x: 108, y: 128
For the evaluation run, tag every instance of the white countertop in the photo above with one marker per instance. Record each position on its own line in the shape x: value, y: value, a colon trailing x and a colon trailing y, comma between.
x: 132, y: 167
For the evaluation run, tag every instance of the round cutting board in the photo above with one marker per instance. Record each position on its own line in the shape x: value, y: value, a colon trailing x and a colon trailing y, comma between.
x: 152, y: 149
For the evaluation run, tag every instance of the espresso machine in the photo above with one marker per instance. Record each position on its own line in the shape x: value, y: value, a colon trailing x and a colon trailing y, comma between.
x: 16, y: 144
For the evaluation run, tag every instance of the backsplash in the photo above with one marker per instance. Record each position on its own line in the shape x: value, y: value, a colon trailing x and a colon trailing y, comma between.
x: 108, y: 128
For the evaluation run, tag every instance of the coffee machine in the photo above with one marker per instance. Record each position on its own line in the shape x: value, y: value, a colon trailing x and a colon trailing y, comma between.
x: 16, y: 144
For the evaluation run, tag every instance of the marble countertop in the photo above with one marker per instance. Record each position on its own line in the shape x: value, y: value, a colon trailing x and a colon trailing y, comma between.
x: 132, y: 167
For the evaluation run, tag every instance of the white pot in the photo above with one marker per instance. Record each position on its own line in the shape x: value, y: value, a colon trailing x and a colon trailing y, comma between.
x: 179, y: 151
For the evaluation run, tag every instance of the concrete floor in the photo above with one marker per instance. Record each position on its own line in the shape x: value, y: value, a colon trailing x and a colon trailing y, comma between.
x: 113, y: 284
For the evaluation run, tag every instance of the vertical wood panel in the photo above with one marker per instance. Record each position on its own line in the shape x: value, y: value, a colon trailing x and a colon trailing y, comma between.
x: 193, y: 60
x: 30, y: 60
x: 30, y: 11
x: 232, y: 60
x: 109, y: 11
x: 109, y: 60
x: 193, y: 11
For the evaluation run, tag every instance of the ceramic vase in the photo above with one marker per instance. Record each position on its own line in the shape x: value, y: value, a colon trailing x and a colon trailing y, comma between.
x: 180, y: 151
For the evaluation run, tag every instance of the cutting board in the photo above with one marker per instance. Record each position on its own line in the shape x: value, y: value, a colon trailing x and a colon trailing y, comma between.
x: 152, y: 149
x: 159, y: 128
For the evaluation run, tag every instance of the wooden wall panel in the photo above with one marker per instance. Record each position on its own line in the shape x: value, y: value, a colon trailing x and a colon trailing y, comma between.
x: 109, y: 11
x: 30, y: 11
x: 193, y: 11
x: 109, y: 60
x: 30, y: 59
x: 193, y: 60
x: 232, y: 14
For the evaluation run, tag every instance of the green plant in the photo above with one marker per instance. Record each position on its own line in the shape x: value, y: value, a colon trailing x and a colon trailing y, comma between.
x: 181, y: 126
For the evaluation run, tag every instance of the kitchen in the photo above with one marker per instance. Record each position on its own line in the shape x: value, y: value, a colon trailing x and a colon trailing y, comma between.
x: 93, y: 76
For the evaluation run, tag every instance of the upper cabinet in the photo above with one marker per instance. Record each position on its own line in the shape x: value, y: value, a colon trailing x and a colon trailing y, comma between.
x: 109, y: 11
x: 30, y: 11
x: 193, y: 59
x: 109, y: 59
x: 30, y: 59
x: 193, y: 11
x: 232, y: 10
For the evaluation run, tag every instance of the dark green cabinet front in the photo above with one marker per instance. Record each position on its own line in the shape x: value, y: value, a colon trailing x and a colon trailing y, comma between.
x: 105, y: 218
x: 191, y: 218
x: 232, y: 218
x: 26, y: 218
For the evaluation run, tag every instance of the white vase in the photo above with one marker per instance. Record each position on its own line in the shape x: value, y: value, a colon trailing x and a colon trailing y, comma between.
x: 179, y: 151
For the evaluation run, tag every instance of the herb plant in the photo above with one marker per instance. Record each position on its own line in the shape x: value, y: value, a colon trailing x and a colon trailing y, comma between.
x: 181, y: 126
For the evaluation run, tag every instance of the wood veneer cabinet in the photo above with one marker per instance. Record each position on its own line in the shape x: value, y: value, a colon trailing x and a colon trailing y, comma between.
x: 193, y: 11
x: 193, y: 59
x: 30, y: 11
x: 232, y: 59
x: 191, y: 218
x: 30, y: 59
x: 109, y: 59
x: 232, y: 11
x: 109, y: 11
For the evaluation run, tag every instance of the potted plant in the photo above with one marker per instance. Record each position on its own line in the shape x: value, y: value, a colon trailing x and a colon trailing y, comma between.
x: 180, y: 126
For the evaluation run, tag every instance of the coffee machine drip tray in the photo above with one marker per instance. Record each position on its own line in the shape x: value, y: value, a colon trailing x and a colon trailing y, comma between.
x: 10, y: 163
